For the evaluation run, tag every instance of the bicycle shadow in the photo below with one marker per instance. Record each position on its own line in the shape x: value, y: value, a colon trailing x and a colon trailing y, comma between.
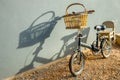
x: 37, y: 34
x: 70, y: 43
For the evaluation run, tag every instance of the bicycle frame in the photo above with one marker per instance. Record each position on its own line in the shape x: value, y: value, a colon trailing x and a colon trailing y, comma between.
x: 94, y: 48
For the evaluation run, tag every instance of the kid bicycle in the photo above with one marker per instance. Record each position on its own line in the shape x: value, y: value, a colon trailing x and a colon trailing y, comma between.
x: 99, y: 46
x: 78, y: 20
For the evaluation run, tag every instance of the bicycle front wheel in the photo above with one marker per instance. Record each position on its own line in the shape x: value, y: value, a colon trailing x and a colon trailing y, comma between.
x: 106, y: 48
x: 76, y: 63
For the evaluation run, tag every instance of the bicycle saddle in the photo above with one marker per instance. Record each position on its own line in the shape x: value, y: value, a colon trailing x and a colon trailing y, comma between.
x: 100, y: 27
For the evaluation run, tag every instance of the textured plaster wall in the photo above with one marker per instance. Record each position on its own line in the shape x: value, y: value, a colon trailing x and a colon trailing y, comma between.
x: 33, y: 33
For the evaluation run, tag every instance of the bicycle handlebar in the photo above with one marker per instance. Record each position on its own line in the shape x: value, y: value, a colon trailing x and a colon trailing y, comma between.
x: 90, y: 11
x: 77, y: 13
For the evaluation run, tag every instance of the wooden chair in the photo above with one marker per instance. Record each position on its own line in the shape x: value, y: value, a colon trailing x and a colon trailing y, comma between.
x: 109, y: 32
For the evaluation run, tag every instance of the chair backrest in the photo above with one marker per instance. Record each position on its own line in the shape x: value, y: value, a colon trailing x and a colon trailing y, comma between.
x: 109, y: 24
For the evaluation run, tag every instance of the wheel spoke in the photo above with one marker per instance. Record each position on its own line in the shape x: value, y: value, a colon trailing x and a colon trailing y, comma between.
x: 76, y: 64
x: 106, y: 48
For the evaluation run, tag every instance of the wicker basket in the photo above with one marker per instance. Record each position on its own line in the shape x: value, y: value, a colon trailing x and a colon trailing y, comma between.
x: 76, y: 21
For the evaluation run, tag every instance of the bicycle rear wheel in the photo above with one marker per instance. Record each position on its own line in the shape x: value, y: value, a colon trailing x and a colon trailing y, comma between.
x: 76, y: 63
x: 106, y: 48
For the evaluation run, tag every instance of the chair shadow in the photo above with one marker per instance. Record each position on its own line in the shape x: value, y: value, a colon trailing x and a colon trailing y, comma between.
x: 37, y: 34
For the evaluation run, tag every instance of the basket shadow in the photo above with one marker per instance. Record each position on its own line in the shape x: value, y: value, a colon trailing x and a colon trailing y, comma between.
x: 37, y: 34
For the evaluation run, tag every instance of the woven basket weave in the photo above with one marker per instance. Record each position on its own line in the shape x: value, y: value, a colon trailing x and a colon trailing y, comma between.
x: 76, y: 21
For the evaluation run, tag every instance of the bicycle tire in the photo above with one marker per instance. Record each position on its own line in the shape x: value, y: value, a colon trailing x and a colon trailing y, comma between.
x: 76, y: 69
x: 106, y: 48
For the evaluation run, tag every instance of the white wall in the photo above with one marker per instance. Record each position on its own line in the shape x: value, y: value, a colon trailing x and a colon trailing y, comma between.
x: 16, y: 16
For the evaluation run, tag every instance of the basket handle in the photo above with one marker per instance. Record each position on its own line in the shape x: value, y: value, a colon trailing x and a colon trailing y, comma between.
x: 75, y: 4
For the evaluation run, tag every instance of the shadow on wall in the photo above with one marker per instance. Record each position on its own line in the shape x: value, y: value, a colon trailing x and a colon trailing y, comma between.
x: 69, y: 45
x: 38, y: 34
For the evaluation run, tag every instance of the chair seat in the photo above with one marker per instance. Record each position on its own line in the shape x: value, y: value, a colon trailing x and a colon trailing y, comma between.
x: 106, y: 33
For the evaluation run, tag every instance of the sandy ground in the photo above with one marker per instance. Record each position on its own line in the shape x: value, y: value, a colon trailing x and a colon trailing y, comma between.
x: 96, y: 68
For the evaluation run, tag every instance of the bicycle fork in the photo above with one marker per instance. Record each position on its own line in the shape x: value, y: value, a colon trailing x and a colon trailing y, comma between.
x: 79, y: 46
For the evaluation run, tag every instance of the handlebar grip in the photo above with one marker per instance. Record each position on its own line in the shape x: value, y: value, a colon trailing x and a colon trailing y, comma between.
x: 90, y: 11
